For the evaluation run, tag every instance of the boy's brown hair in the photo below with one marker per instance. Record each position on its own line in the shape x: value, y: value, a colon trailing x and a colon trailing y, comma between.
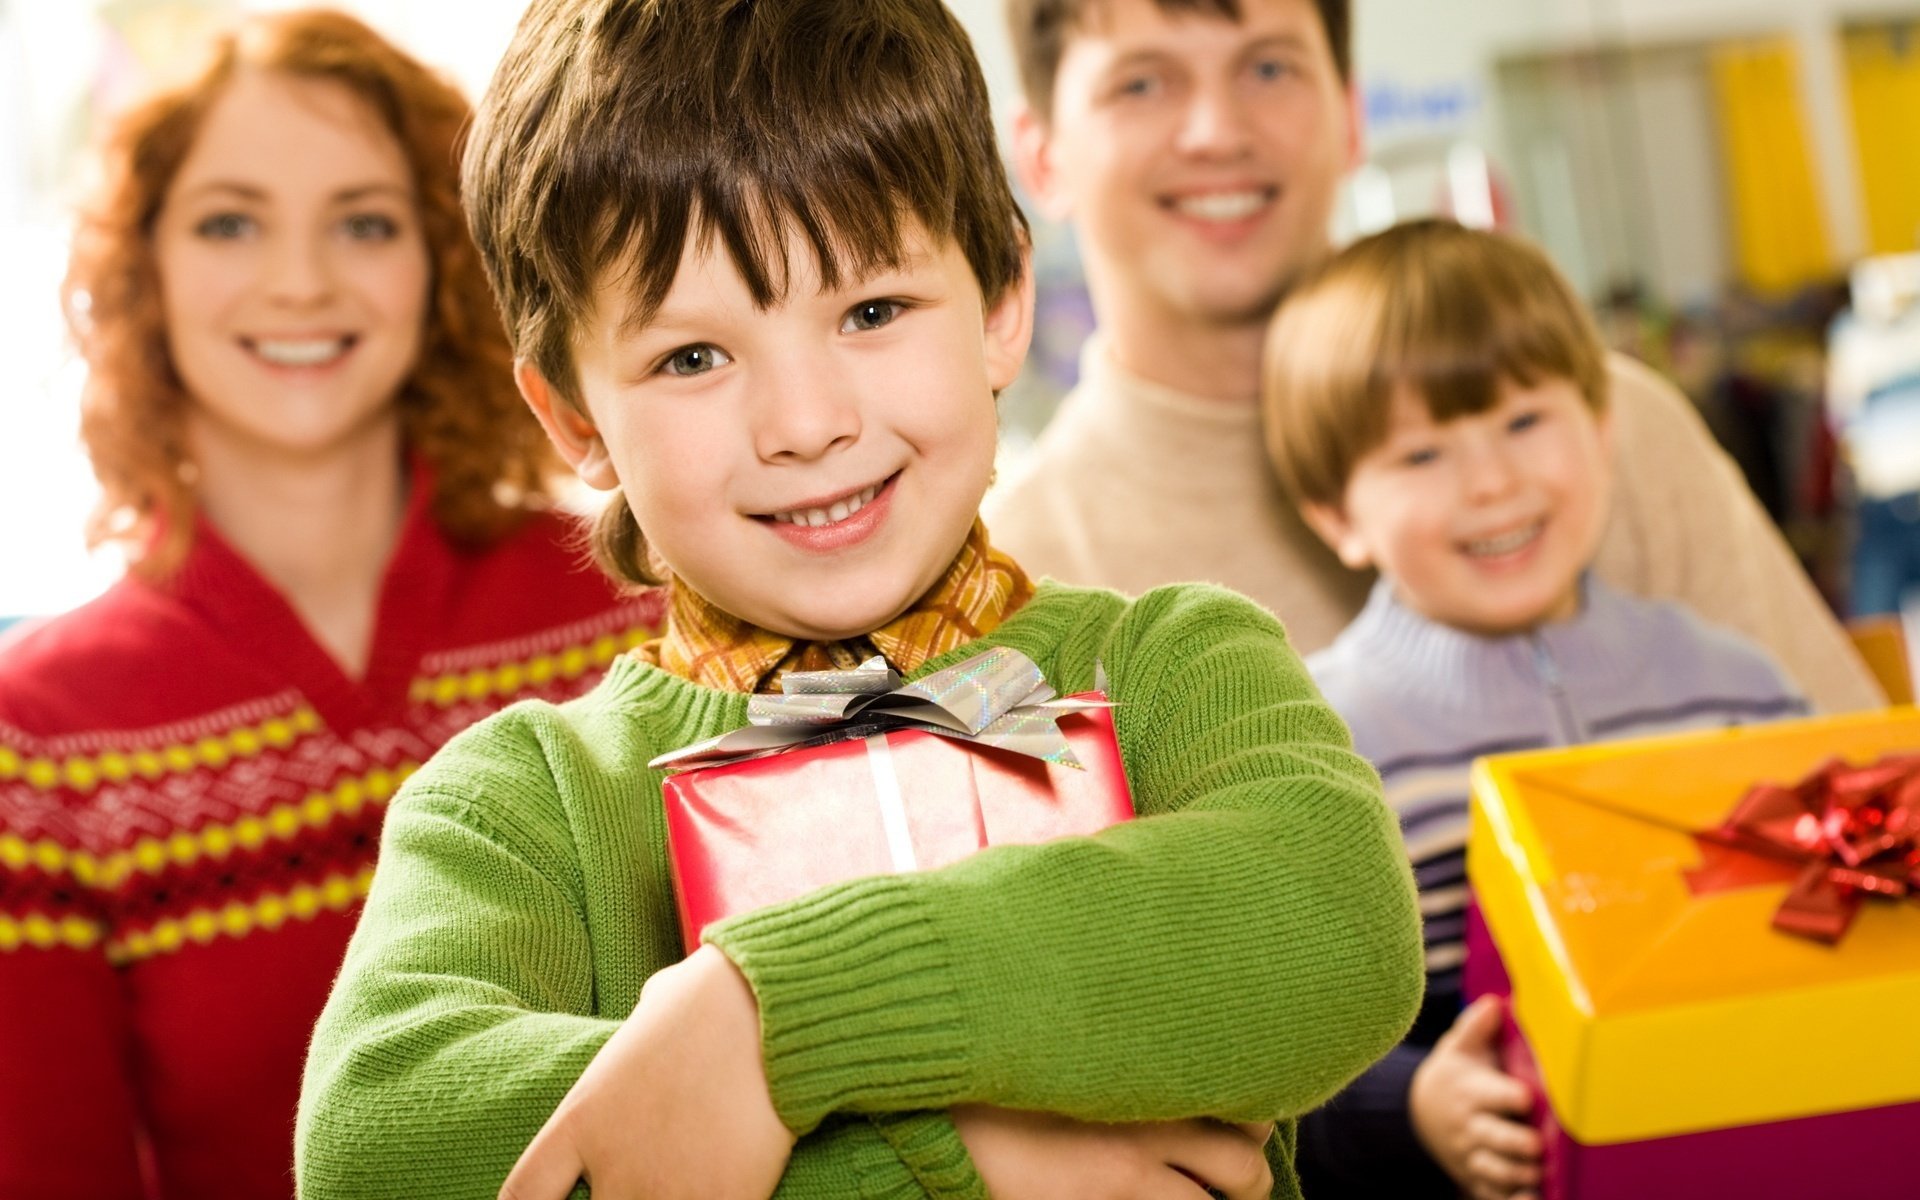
x: 1446, y: 312
x: 615, y: 130
x: 1040, y: 30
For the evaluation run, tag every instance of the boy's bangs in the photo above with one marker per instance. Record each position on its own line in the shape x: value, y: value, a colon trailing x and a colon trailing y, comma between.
x: 850, y: 236
x: 1455, y: 346
x: 1458, y: 370
x: 844, y: 121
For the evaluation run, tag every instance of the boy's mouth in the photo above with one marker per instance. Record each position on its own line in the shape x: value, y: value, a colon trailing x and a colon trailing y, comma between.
x: 829, y: 510
x: 1504, y: 544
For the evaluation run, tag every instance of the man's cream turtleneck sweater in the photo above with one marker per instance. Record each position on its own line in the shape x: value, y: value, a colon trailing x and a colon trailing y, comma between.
x: 1134, y: 485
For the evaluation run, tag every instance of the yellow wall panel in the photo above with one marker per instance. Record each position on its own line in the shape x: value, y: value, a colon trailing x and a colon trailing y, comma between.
x: 1883, y: 83
x: 1780, y: 234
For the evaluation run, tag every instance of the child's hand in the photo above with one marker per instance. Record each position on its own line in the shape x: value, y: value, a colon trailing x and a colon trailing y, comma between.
x: 674, y: 1105
x: 1471, y: 1116
x: 1023, y: 1154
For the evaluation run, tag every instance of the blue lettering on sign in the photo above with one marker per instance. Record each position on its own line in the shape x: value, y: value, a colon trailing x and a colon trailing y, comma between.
x: 1443, y: 103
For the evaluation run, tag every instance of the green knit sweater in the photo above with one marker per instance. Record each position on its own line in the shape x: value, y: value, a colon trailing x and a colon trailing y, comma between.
x: 1240, y: 953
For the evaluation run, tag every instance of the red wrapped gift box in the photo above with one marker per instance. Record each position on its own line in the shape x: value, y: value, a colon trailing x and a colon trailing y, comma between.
x: 748, y: 834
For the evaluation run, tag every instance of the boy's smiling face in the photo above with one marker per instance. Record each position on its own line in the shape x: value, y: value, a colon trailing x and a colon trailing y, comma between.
x: 812, y: 467
x: 1484, y: 522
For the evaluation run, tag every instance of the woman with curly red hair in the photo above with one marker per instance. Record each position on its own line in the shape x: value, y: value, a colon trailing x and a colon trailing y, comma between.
x: 335, y: 509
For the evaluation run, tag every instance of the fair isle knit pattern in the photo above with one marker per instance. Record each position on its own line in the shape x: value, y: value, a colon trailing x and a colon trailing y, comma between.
x: 716, y: 649
x: 1240, y: 950
x: 191, y: 796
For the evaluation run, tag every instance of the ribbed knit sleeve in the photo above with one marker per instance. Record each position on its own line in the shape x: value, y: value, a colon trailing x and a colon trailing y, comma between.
x: 1241, y: 952
x: 470, y: 1002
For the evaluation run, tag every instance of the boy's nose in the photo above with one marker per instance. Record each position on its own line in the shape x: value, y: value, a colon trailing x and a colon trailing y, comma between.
x: 804, y: 412
x: 1491, y: 470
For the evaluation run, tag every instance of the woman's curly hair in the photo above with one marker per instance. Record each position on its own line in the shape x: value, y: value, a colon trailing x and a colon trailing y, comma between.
x: 459, y: 410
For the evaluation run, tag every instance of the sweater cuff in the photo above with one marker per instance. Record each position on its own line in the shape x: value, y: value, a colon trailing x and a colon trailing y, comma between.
x: 930, y: 1146
x: 849, y: 1159
x: 858, y: 1011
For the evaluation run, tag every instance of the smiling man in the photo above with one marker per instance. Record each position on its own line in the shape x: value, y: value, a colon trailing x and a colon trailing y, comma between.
x: 1197, y: 146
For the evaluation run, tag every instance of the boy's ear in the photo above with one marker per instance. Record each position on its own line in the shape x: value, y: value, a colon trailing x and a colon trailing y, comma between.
x: 570, y: 430
x: 1009, y: 327
x: 1330, y: 522
x: 1034, y: 166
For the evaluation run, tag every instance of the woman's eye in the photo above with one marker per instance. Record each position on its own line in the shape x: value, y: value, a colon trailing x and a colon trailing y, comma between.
x: 1420, y: 457
x: 370, y: 227
x: 224, y: 226
x: 871, y: 314
x: 695, y: 360
x: 1523, y: 422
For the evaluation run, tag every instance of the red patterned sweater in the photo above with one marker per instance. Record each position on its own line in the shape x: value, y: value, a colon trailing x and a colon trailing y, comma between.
x: 190, y: 801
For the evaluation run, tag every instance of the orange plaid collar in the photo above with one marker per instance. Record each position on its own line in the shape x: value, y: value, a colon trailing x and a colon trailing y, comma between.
x: 716, y: 649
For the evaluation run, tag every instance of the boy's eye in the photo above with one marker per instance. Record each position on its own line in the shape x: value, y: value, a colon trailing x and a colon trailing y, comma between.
x: 1420, y: 457
x: 224, y: 226
x: 1523, y: 422
x: 370, y: 227
x: 871, y: 314
x: 1272, y: 68
x: 695, y: 360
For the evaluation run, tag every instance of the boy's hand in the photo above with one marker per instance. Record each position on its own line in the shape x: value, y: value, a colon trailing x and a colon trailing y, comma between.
x: 674, y: 1105
x: 1471, y: 1116
x: 1039, y: 1155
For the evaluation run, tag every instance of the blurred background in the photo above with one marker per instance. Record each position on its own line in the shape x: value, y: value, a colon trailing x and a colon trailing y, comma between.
x: 1734, y: 184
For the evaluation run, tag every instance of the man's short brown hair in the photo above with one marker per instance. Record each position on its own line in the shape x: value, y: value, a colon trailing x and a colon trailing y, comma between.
x: 616, y: 130
x: 1445, y: 312
x: 1040, y: 29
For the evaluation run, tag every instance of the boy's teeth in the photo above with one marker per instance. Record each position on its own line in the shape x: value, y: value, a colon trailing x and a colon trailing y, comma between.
x: 309, y: 353
x: 840, y: 510
x: 1222, y: 206
x: 1504, y: 544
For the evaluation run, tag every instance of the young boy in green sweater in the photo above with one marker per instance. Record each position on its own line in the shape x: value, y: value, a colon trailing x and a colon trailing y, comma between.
x: 764, y: 277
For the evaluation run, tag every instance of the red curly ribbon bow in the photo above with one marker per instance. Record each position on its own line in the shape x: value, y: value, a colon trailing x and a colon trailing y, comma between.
x: 1854, y: 830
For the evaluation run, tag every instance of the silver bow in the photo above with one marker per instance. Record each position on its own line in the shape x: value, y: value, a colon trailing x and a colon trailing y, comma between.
x: 997, y: 698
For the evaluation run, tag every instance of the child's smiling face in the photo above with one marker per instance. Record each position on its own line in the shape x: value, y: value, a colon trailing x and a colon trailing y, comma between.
x: 1486, y: 521
x: 811, y: 467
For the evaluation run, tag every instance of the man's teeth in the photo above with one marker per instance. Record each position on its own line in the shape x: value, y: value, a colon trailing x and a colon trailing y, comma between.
x: 839, y: 511
x: 309, y: 353
x: 1506, y: 543
x: 1222, y: 206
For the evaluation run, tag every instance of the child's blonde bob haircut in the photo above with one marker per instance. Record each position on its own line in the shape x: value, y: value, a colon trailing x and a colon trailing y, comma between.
x: 616, y: 131
x: 1445, y: 312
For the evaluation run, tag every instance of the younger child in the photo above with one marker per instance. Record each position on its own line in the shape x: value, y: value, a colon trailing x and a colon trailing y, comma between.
x: 764, y: 277
x: 1435, y: 403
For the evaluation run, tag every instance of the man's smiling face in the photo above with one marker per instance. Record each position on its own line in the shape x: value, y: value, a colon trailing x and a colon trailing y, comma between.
x: 1198, y: 157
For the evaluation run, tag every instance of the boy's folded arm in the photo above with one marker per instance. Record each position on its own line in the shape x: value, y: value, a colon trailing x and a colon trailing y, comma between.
x: 426, y: 1078
x: 1239, y: 954
x: 461, y: 1016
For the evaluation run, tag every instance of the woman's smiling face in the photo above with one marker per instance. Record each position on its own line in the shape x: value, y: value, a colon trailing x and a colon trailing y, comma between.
x: 294, y: 272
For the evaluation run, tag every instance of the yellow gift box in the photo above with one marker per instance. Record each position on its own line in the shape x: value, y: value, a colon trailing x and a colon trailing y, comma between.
x: 1655, y: 1011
